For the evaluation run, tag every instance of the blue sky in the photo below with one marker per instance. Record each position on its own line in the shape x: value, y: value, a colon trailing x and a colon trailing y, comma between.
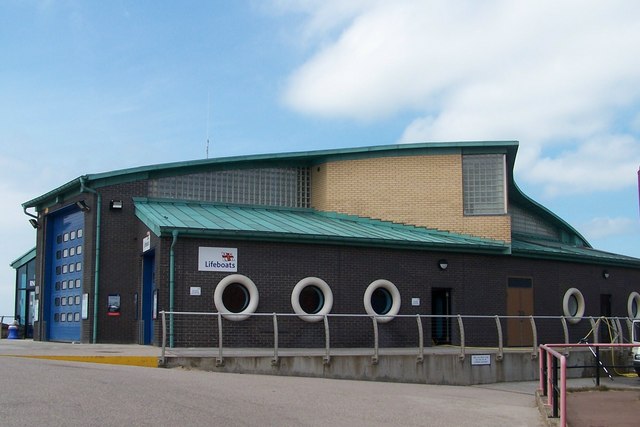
x: 88, y: 87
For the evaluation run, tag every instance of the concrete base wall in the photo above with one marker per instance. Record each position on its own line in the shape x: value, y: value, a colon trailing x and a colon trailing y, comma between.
x: 445, y: 369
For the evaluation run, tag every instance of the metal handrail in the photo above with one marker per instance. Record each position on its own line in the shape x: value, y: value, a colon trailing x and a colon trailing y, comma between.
x: 556, y: 396
x: 374, y: 319
x: 327, y: 357
x: 534, y: 337
x: 274, y: 361
x: 420, y: 340
x: 556, y: 388
x: 461, y: 327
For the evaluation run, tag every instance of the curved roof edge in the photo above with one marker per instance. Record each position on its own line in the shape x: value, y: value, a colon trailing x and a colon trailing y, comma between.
x: 521, y: 197
x: 299, y: 158
x: 534, y: 248
x: 310, y: 158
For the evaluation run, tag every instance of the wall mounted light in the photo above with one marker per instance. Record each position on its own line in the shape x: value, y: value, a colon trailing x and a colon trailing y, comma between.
x: 605, y: 274
x: 83, y: 206
x: 34, y: 223
x: 443, y: 264
x: 115, y: 204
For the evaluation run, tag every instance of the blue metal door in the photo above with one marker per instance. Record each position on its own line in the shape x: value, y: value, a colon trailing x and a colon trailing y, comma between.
x: 148, y: 288
x: 66, y: 255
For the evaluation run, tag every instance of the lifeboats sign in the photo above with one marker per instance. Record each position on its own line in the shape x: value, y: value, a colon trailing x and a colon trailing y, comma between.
x: 217, y: 259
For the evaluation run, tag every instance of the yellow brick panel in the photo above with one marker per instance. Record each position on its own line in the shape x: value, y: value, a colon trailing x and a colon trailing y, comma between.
x: 418, y: 190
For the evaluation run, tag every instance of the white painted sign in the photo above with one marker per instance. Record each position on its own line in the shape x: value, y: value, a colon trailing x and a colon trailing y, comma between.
x: 195, y: 291
x: 146, y: 244
x: 480, y: 359
x: 217, y: 259
x: 415, y: 302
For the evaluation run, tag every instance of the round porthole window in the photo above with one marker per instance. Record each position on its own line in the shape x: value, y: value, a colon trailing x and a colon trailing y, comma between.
x: 236, y: 297
x: 311, y: 299
x: 573, y: 305
x: 633, y: 305
x: 382, y: 299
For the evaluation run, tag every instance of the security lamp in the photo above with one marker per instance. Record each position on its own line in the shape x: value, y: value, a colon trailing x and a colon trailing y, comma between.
x: 605, y: 274
x: 115, y: 204
x: 443, y: 264
x: 83, y: 206
x: 34, y: 223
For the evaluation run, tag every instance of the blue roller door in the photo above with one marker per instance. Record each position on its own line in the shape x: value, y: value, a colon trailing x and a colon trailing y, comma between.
x: 65, y: 277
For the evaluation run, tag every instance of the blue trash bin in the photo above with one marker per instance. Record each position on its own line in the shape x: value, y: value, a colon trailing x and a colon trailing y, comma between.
x: 13, y: 332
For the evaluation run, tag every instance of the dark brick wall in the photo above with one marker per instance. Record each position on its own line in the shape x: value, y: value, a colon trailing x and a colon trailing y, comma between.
x: 478, y: 287
x: 121, y: 263
x: 477, y: 284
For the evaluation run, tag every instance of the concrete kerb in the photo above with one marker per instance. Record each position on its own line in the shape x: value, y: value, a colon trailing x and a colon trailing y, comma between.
x: 441, y: 365
x: 113, y: 354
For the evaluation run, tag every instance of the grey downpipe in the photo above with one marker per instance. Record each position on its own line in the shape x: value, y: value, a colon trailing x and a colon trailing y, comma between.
x: 83, y: 189
x: 29, y: 213
x: 171, y: 285
x: 41, y: 273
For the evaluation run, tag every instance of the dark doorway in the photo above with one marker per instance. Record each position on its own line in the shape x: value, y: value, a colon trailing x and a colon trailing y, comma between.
x: 148, y: 289
x: 607, y: 330
x: 441, y: 306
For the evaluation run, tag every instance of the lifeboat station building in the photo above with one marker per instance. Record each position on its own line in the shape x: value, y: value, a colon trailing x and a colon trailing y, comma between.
x: 413, y: 229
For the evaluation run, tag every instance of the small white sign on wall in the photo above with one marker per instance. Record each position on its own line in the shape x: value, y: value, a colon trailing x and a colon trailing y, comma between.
x: 415, y: 302
x: 146, y: 243
x: 195, y: 291
x: 85, y: 306
x: 217, y: 259
x: 480, y: 359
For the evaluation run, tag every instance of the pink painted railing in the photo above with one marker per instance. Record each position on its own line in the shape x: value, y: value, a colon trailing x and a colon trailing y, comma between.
x: 551, y: 363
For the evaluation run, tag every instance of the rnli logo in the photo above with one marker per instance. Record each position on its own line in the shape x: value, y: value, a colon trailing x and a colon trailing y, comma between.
x: 217, y: 259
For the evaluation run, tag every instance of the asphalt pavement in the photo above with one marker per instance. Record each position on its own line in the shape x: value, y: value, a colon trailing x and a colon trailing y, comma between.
x: 47, y: 383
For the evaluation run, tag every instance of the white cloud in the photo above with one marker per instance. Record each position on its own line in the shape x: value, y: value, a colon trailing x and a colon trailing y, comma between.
x: 603, y: 227
x: 558, y: 76
x: 323, y: 16
x: 598, y: 164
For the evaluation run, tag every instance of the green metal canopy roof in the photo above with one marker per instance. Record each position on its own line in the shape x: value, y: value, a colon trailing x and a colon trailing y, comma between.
x: 164, y: 217
x: 24, y: 258
x: 536, y: 248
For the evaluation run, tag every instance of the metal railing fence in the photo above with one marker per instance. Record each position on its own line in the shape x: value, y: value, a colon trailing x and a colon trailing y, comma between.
x: 276, y: 331
x: 552, y: 366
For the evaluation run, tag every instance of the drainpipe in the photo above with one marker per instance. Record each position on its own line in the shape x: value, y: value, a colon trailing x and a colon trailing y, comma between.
x: 40, y: 267
x: 83, y: 189
x: 29, y: 213
x: 171, y: 285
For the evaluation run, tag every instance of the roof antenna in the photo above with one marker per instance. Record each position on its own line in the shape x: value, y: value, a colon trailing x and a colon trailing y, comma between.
x: 208, y: 104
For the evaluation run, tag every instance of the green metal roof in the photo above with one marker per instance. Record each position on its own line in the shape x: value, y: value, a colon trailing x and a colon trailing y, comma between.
x: 164, y: 217
x: 199, y: 219
x: 23, y: 259
x: 536, y: 248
